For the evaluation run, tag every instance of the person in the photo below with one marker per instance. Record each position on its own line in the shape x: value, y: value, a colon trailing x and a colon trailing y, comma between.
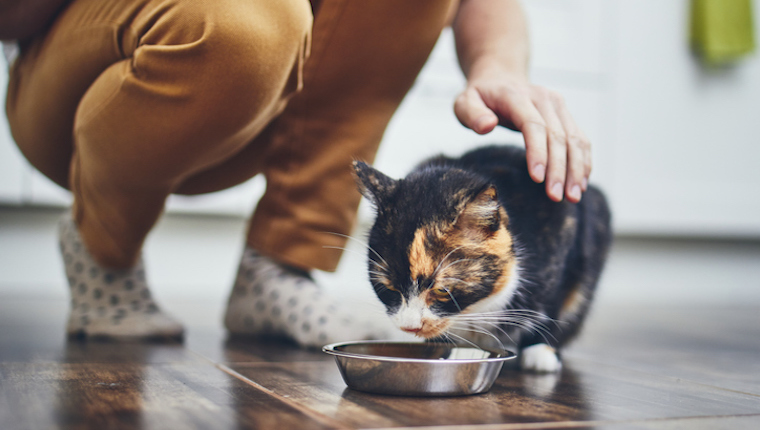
x: 128, y: 101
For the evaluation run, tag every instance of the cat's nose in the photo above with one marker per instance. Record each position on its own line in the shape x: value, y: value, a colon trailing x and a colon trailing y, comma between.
x: 412, y: 330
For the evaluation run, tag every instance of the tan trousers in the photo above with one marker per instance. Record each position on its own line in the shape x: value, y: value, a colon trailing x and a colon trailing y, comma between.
x: 127, y: 101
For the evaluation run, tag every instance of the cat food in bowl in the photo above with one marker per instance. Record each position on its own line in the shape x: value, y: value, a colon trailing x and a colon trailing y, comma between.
x: 417, y: 369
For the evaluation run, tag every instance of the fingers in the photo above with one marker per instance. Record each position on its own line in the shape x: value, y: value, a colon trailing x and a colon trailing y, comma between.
x: 557, y: 151
x: 473, y: 113
x: 555, y: 139
x: 522, y: 112
x: 578, y: 153
x: 557, y: 145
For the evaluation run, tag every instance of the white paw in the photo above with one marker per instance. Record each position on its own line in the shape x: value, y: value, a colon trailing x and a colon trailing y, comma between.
x: 540, y: 358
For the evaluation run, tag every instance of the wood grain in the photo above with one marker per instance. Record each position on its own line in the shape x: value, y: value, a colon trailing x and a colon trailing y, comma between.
x: 584, y: 391
x: 100, y: 396
x: 636, y: 368
x: 714, y: 346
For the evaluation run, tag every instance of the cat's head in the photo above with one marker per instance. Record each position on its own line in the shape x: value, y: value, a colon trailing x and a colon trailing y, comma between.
x: 439, y: 248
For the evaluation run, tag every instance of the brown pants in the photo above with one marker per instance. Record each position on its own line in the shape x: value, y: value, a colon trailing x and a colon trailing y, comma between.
x: 127, y: 101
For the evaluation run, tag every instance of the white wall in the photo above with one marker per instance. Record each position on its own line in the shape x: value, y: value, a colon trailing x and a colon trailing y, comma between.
x: 193, y: 258
x: 686, y: 146
x: 675, y: 146
x: 675, y: 149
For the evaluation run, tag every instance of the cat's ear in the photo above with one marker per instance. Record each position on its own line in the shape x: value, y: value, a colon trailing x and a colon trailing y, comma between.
x: 481, y: 216
x: 373, y: 184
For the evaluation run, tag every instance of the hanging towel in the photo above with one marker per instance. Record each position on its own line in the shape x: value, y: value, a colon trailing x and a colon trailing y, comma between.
x: 721, y: 30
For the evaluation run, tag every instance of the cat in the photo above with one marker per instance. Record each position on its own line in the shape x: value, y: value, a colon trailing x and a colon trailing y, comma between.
x: 471, y: 248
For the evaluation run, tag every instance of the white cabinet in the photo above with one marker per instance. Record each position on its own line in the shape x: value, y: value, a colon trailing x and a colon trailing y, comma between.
x: 675, y: 146
x: 20, y: 184
x: 568, y: 52
x: 687, y: 147
x: 13, y: 168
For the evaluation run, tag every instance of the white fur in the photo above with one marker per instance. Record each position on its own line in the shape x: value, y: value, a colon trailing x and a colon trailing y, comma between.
x: 540, y: 358
x: 413, y: 313
x: 498, y: 301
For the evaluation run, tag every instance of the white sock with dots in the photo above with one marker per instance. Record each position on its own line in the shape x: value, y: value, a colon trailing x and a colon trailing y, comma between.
x: 272, y: 299
x: 106, y: 302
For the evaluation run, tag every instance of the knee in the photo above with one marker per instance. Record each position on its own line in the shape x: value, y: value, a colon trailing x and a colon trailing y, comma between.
x: 233, y: 52
x: 254, y: 49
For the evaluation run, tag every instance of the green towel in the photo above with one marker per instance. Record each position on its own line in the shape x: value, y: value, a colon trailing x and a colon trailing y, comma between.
x: 721, y: 30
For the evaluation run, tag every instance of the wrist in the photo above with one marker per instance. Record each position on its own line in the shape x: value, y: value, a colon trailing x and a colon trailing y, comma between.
x: 487, y: 68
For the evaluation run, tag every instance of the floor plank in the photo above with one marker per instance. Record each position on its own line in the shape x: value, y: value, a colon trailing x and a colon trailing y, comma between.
x: 714, y: 346
x: 633, y: 368
x: 130, y: 396
x: 583, y: 391
x: 746, y: 422
x: 217, y: 346
x: 33, y: 331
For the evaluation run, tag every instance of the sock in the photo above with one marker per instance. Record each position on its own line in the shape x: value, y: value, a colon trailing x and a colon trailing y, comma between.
x: 273, y: 299
x: 106, y: 302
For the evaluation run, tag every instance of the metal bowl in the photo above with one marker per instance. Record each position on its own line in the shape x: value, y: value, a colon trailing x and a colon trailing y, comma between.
x: 417, y: 369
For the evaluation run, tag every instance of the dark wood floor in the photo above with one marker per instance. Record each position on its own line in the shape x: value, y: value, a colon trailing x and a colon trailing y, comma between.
x: 634, y: 368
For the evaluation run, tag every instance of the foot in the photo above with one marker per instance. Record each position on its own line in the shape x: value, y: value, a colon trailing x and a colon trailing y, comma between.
x: 540, y: 358
x: 109, y: 303
x: 273, y: 299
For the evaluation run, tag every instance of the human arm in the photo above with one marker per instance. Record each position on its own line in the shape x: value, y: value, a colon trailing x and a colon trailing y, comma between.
x: 492, y: 46
x: 20, y: 19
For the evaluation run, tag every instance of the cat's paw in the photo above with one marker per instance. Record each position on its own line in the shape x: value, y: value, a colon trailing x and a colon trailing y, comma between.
x: 540, y: 358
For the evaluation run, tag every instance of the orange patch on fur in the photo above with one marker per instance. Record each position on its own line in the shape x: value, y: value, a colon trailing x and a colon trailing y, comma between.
x: 420, y: 261
x: 498, y: 243
x: 432, y: 329
x: 573, y: 301
x: 431, y: 296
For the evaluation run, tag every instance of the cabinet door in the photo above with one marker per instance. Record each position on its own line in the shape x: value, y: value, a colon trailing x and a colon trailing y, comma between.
x: 21, y: 184
x: 687, y: 148
x: 13, y: 167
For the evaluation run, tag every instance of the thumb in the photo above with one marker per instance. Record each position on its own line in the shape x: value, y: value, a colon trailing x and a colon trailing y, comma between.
x: 473, y: 113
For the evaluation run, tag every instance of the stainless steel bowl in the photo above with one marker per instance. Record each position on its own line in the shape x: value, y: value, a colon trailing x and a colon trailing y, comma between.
x: 417, y: 369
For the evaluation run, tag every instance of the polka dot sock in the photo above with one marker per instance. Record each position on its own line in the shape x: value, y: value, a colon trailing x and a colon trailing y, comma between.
x: 109, y: 303
x: 273, y: 299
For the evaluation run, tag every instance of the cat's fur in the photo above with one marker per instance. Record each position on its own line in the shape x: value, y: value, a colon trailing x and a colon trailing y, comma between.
x: 472, y: 247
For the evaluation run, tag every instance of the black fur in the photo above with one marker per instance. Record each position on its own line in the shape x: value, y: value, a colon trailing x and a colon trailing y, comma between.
x: 561, y: 246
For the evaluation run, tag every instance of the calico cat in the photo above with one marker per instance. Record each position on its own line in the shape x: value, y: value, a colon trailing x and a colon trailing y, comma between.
x: 471, y: 249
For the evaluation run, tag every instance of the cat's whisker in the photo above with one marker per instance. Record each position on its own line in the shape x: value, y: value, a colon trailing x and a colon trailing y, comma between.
x: 465, y: 340
x: 528, y: 324
x: 361, y: 242
x: 378, y: 265
x: 448, y: 339
x: 515, y: 311
x: 538, y: 328
x: 481, y: 330
x: 473, y: 324
x: 459, y: 280
x: 435, y: 272
x: 522, y: 313
x: 343, y: 249
x: 461, y: 260
x: 453, y: 299
x: 498, y: 327
x: 487, y: 250
x: 354, y: 252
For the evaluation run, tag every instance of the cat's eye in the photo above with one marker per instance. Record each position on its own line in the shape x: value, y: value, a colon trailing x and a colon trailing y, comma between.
x: 440, y: 293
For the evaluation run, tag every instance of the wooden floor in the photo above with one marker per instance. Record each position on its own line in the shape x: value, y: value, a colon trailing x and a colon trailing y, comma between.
x: 632, y: 369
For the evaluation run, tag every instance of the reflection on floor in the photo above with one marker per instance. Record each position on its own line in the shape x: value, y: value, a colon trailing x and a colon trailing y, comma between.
x: 633, y: 368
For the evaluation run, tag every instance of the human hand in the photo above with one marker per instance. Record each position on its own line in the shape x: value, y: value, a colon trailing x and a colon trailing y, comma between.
x: 557, y: 150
